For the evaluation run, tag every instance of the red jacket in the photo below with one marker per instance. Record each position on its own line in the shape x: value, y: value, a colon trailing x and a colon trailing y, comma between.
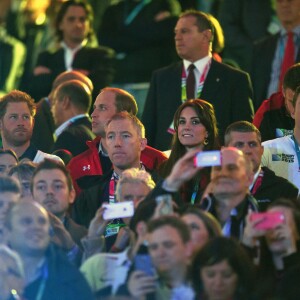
x: 88, y: 162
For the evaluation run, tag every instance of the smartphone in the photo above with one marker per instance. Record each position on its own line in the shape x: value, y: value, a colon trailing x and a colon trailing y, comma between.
x: 167, y: 207
x: 118, y: 210
x: 143, y: 262
x: 207, y: 159
x: 269, y: 220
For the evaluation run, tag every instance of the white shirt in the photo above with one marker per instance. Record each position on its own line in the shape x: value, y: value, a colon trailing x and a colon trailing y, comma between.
x: 67, y: 123
x: 199, y: 68
x: 280, y: 156
x: 70, y: 53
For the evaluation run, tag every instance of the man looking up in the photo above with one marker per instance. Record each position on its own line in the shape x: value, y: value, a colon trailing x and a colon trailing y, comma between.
x: 17, y: 110
x: 266, y: 186
x: 95, y: 160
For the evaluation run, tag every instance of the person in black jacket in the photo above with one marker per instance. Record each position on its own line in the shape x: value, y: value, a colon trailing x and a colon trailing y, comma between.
x: 76, y: 49
x: 266, y: 186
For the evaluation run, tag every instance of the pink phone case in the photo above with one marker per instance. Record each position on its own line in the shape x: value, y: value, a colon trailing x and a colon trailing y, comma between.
x: 269, y: 220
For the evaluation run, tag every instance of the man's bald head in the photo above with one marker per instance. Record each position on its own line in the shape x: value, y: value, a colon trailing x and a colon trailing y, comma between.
x: 72, y: 75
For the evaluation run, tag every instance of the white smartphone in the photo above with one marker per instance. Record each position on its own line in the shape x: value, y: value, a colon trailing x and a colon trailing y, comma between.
x: 207, y: 159
x: 118, y: 210
x: 167, y: 206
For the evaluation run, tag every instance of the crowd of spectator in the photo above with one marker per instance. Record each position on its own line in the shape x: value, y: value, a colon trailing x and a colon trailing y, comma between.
x: 150, y: 149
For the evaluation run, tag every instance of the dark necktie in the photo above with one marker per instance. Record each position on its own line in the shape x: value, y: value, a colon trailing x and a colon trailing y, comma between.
x: 190, y: 83
x: 288, y: 58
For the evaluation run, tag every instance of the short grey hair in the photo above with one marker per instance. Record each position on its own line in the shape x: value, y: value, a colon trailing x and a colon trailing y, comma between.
x: 134, y: 175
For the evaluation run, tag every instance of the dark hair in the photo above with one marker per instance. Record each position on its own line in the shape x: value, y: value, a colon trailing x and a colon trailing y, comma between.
x: 16, y: 96
x: 124, y: 101
x: 203, y: 21
x: 63, y: 10
x: 9, y: 184
x: 72, y: 75
x: 144, y: 212
x: 50, y: 164
x: 240, y: 126
x: 78, y: 93
x: 296, y: 96
x: 9, y: 152
x: 24, y: 169
x: 206, y: 114
x: 291, y: 78
x: 172, y: 221
x: 211, y: 224
x: 222, y: 249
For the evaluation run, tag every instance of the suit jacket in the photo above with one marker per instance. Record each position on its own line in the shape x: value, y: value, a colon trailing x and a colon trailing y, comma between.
x: 228, y: 89
x: 263, y: 56
x: 75, y: 136
x: 42, y: 135
x: 97, y: 61
x: 236, y: 19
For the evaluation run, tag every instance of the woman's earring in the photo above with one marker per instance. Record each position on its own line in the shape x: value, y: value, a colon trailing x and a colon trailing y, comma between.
x: 205, y: 142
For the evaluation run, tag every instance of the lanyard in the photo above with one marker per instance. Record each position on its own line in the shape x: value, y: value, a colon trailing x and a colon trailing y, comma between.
x: 42, y: 285
x: 183, y: 88
x: 297, y: 151
x: 112, y: 187
x: 200, y: 84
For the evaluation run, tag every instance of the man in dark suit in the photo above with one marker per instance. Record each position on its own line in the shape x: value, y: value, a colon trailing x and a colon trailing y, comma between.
x: 71, y: 104
x: 228, y: 89
x: 241, y: 30
x: 77, y: 50
x: 44, y: 127
x: 269, y: 53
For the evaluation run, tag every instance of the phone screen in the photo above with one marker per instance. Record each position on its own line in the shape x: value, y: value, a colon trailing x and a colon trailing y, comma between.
x: 143, y: 262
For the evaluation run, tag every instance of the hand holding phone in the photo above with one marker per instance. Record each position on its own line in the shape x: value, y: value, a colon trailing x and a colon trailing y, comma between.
x: 118, y: 210
x: 165, y: 204
x: 207, y: 159
x: 143, y: 262
x: 268, y: 220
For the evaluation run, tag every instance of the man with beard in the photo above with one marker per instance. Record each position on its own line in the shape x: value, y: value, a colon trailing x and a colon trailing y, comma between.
x: 17, y: 111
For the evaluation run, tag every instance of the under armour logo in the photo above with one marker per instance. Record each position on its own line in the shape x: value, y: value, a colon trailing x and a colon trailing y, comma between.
x: 85, y: 168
